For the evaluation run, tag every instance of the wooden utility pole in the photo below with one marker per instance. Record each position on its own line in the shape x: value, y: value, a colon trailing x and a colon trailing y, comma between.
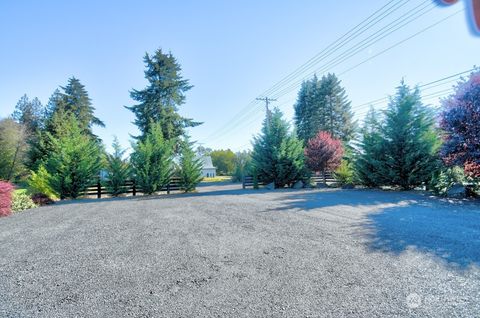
x: 267, y: 102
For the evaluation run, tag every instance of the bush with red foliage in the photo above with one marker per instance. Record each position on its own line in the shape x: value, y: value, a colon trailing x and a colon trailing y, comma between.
x: 41, y: 199
x: 323, y: 152
x: 6, y: 189
x: 461, y: 122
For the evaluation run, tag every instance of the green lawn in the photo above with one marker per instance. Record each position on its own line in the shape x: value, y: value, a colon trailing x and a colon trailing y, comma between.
x: 218, y: 179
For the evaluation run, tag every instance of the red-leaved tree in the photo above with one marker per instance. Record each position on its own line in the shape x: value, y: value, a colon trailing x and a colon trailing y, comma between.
x: 323, y: 152
x: 6, y: 189
x: 461, y: 122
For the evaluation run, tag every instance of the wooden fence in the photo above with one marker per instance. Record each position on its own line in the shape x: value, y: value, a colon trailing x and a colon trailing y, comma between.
x: 129, y: 187
x: 248, y: 181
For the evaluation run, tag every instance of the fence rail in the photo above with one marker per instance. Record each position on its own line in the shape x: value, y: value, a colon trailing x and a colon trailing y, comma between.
x: 129, y: 187
x: 248, y: 181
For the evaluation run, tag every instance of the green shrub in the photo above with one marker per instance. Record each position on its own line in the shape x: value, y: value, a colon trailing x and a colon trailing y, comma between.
x: 21, y: 201
x: 190, y: 167
x: 152, y: 160
x: 344, y: 173
x: 39, y: 182
x: 446, y: 178
x: 118, y: 170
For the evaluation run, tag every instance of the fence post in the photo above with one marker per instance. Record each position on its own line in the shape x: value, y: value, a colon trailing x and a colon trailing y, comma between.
x: 243, y: 183
x: 99, y: 189
x: 168, y: 187
x: 134, y: 190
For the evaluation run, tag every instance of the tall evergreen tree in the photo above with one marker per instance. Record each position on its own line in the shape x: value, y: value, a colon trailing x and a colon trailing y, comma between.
x: 159, y: 101
x: 69, y: 100
x: 76, y: 101
x: 411, y: 139
x: 405, y: 147
x: 322, y: 105
x: 152, y: 160
x: 277, y: 153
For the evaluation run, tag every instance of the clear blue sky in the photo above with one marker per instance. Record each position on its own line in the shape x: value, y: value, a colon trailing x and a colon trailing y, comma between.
x: 231, y: 51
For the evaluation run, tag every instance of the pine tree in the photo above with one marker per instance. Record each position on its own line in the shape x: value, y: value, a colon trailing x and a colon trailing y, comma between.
x: 403, y: 150
x: 29, y: 113
x: 159, y: 101
x: 322, y: 105
x: 190, y: 167
x: 74, y: 161
x: 72, y: 99
x: 152, y: 160
x: 370, y: 157
x: 118, y: 169
x: 75, y: 100
x: 277, y: 154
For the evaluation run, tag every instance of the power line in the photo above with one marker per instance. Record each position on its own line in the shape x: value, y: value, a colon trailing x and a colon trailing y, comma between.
x: 371, y: 40
x: 398, y: 24
x: 382, y: 52
x: 346, y: 37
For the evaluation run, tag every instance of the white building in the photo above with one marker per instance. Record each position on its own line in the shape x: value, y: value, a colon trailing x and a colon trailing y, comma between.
x: 208, y: 170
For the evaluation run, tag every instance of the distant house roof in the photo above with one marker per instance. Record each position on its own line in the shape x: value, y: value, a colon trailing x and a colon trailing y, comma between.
x: 207, y: 162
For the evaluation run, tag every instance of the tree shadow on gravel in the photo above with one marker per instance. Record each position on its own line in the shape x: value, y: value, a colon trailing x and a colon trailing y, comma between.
x: 314, y: 199
x: 393, y: 222
x: 452, y: 234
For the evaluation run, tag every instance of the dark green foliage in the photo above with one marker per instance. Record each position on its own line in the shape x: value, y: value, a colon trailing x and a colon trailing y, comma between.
x: 372, y: 152
x: 159, y: 101
x: 152, y: 160
x: 70, y: 100
x: 402, y: 150
x: 190, y: 167
x: 224, y: 161
x: 277, y: 153
x: 74, y: 162
x: 118, y: 170
x: 75, y: 100
x: 322, y: 105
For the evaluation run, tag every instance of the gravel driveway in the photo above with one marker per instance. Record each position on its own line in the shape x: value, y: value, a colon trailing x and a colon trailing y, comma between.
x: 227, y: 252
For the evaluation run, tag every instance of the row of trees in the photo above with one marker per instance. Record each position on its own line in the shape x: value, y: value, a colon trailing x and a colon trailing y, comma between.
x: 55, y: 148
x: 407, y: 145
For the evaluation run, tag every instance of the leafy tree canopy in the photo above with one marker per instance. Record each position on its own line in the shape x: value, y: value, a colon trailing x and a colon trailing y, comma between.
x: 461, y: 122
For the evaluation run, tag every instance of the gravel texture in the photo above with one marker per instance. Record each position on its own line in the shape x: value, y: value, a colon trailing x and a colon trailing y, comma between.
x: 228, y: 252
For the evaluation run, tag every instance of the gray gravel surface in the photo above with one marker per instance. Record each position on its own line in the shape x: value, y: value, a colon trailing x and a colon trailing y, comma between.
x: 227, y: 252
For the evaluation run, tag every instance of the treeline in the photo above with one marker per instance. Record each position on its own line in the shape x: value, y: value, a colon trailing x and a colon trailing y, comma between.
x: 54, y: 150
x: 408, y: 145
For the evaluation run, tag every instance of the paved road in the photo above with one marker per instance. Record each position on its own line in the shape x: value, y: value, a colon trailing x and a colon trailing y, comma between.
x: 226, y: 252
